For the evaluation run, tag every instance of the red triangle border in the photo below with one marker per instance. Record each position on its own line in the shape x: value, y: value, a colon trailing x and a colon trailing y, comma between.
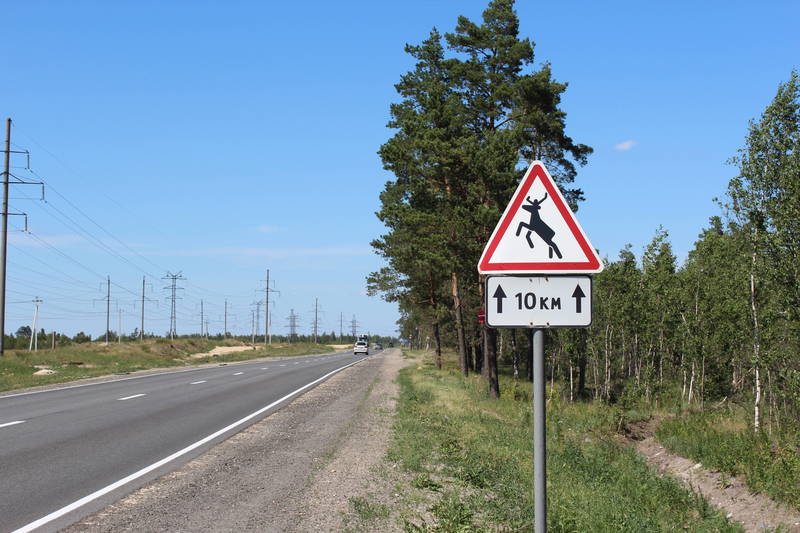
x: 537, y: 170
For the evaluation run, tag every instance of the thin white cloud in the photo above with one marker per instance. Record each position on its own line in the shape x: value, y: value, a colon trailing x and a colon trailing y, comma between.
x: 267, y: 228
x: 625, y: 146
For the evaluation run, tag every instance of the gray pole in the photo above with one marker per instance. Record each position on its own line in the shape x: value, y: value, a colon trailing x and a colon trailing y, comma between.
x: 201, y: 318
x: 141, y: 331
x: 4, y: 238
x: 119, y: 332
x: 266, y: 310
x: 108, y: 308
x: 316, y: 318
x: 536, y: 337
x: 225, y: 328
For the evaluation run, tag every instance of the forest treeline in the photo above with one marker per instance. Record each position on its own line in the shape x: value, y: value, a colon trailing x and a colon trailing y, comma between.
x: 724, y: 323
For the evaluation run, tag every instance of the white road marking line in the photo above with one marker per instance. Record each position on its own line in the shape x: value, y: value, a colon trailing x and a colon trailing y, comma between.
x: 14, y: 423
x: 283, y: 365
x: 131, y: 397
x: 158, y: 464
x: 264, y: 368
x: 197, y: 382
x: 238, y: 373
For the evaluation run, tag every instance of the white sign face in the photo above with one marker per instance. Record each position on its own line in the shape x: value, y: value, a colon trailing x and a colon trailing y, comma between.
x: 538, y: 301
x: 538, y: 233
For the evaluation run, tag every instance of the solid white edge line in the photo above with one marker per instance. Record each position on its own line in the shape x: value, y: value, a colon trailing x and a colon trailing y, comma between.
x: 197, y: 382
x: 131, y: 397
x: 4, y: 396
x: 14, y: 423
x: 238, y: 373
x: 158, y: 464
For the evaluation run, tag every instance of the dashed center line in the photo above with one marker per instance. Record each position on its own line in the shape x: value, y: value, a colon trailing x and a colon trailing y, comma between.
x: 14, y: 423
x: 238, y: 373
x: 283, y: 365
x: 264, y: 368
x: 131, y: 397
x: 197, y: 382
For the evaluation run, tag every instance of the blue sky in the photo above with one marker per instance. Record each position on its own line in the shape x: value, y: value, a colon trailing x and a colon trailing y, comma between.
x: 221, y: 139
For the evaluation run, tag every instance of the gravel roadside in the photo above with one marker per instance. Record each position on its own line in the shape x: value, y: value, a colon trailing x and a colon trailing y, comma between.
x: 297, y: 470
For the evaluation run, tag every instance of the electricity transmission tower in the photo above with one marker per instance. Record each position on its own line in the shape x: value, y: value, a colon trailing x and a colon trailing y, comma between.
x: 354, y: 327
x: 315, y: 323
x: 341, y: 324
x: 267, y: 290
x: 258, y: 304
x: 293, y: 319
x: 7, y: 175
x: 173, y: 288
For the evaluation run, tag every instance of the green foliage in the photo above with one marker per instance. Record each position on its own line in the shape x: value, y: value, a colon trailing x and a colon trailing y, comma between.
x: 469, y: 111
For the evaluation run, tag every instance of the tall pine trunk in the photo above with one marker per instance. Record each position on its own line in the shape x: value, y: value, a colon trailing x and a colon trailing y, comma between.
x: 491, y: 363
x: 462, y: 343
x: 438, y: 344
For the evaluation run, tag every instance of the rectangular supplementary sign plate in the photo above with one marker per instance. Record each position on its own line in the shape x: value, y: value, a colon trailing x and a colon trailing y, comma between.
x: 538, y: 301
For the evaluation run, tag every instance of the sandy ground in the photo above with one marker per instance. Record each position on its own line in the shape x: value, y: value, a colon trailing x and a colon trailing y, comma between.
x: 219, y: 350
x: 756, y: 512
x: 297, y: 470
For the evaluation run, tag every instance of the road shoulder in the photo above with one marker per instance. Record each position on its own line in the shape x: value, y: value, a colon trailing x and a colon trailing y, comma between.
x: 296, y: 470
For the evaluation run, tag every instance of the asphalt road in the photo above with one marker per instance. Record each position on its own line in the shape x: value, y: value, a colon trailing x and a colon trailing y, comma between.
x: 68, y: 452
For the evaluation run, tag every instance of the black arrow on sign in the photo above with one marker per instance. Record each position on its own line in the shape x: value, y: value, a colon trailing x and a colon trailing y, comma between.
x: 500, y: 295
x: 578, y: 294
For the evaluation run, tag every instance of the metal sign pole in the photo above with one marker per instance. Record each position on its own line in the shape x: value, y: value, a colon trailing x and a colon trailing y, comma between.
x: 536, y: 337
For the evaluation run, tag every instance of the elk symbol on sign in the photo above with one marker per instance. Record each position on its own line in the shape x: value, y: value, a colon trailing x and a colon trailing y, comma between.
x: 538, y: 226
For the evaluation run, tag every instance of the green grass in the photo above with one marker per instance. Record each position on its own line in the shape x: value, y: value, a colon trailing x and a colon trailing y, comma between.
x: 79, y: 361
x: 722, y: 439
x: 473, y: 454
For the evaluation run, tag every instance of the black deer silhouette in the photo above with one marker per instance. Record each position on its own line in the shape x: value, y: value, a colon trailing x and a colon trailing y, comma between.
x: 538, y: 226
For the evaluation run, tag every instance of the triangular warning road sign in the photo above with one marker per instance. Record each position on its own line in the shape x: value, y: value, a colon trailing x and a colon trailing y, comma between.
x: 538, y: 234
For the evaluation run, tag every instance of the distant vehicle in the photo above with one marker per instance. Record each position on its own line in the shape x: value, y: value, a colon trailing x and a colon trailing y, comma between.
x: 361, y: 347
x: 391, y: 345
x: 378, y: 346
x: 364, y: 338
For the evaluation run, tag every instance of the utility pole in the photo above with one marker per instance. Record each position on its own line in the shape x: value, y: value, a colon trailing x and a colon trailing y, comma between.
x: 253, y: 326
x: 4, y: 226
x: 201, y: 318
x: 266, y: 310
x: 108, y: 307
x: 341, y: 323
x: 173, y: 288
x: 119, y: 331
x: 267, y: 290
x: 225, y: 327
x: 316, y: 319
x: 34, y: 337
x: 141, y: 330
x: 4, y: 237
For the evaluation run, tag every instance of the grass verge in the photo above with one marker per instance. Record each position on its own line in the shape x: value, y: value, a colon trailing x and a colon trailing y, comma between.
x: 79, y: 361
x: 722, y: 439
x: 473, y: 456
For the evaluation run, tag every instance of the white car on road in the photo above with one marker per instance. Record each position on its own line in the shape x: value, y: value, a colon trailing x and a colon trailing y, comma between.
x: 361, y: 347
